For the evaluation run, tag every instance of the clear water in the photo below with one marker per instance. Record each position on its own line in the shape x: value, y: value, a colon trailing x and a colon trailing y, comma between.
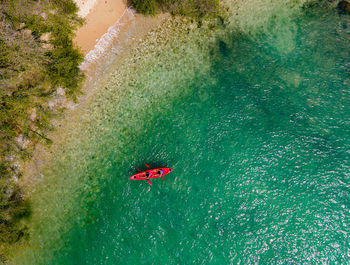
x: 256, y: 126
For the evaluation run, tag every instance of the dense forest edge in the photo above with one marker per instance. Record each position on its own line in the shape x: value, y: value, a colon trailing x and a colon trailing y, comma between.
x: 37, y: 61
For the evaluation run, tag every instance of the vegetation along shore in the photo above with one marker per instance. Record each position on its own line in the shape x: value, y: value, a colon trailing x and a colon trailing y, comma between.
x: 38, y: 63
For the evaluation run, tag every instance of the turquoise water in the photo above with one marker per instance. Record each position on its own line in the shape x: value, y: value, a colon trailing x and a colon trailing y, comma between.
x: 256, y: 128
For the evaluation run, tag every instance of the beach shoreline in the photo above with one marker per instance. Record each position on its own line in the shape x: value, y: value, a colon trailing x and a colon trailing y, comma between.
x: 99, y: 15
x: 126, y: 31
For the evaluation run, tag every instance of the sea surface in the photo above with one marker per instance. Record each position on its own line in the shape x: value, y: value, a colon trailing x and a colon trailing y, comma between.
x: 252, y: 114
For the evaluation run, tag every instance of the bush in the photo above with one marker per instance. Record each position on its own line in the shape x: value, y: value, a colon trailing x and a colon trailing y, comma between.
x: 29, y: 75
x: 193, y: 8
x: 147, y: 7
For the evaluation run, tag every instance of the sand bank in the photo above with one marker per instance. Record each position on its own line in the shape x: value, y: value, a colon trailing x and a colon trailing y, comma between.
x: 99, y: 16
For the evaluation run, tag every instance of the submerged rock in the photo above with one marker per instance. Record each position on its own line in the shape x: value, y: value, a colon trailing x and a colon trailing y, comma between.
x: 220, y: 21
x: 344, y: 6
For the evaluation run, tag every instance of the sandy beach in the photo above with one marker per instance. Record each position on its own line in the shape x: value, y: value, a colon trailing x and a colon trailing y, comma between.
x: 99, y: 16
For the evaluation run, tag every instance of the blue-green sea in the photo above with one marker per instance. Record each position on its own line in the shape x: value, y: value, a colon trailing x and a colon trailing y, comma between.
x: 253, y: 115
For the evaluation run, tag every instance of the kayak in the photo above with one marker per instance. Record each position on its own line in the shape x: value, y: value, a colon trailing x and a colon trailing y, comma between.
x: 152, y: 174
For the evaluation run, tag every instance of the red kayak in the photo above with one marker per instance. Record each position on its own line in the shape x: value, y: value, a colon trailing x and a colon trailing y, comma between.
x: 152, y: 174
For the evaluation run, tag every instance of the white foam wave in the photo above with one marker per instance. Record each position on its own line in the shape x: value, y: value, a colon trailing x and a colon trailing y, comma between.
x: 106, y: 41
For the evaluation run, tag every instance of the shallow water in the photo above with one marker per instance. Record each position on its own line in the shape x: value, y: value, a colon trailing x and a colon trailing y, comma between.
x: 256, y: 128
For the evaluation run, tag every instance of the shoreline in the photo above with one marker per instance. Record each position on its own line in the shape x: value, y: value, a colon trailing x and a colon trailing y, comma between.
x: 42, y: 153
x: 129, y: 29
x: 33, y: 179
x: 55, y: 196
x: 99, y: 16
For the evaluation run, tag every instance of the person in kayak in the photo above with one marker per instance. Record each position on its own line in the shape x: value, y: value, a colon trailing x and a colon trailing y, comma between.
x: 159, y: 173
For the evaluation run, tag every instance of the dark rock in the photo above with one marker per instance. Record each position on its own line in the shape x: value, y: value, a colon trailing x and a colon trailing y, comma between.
x: 344, y: 7
x: 223, y: 47
x: 220, y: 21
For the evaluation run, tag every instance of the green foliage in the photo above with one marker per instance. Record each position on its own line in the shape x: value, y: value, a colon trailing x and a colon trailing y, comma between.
x: 62, y: 69
x: 64, y: 59
x: 193, y: 8
x: 13, y: 210
x: 5, y: 60
x: 147, y: 7
x: 30, y: 73
x: 68, y: 7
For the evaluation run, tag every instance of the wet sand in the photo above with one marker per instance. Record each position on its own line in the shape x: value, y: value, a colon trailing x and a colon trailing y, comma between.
x: 99, y: 16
